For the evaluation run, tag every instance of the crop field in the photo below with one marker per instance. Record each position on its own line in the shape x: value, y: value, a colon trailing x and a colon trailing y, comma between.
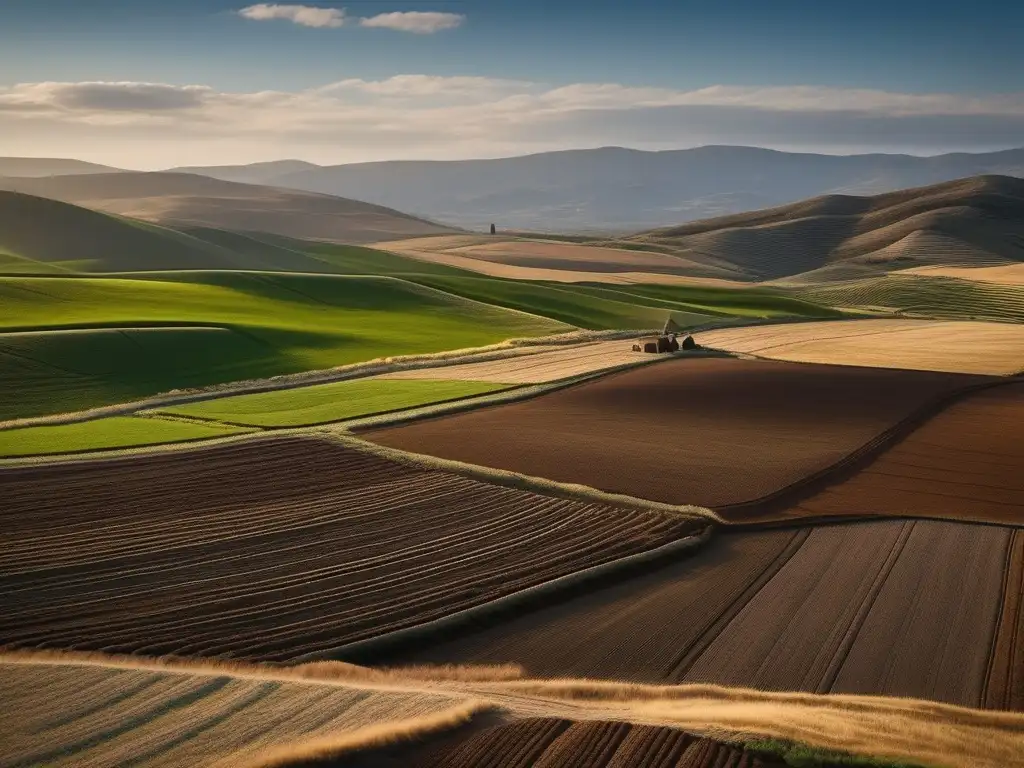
x: 931, y: 294
x: 896, y: 608
x: 965, y: 463
x: 137, y: 337
x: 275, y: 548
x: 97, y: 710
x: 537, y: 368
x: 1005, y: 274
x: 676, y: 432
x: 559, y: 743
x: 116, y: 716
x: 322, y: 403
x: 963, y: 347
x: 106, y: 434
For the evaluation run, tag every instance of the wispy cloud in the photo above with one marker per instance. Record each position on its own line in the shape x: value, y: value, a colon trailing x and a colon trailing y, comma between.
x: 430, y: 116
x: 417, y: 22
x: 303, y: 15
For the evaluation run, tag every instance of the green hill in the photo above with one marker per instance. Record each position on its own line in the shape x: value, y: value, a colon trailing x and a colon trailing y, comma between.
x: 83, y: 342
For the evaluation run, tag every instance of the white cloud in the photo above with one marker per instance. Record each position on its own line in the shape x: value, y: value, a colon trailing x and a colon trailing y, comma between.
x: 417, y: 22
x: 303, y: 15
x: 428, y: 116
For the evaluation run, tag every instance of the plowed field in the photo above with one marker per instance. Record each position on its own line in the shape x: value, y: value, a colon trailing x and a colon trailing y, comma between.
x: 927, y: 345
x: 965, y: 463
x: 677, y: 431
x: 559, y: 743
x: 276, y: 548
x: 900, y: 608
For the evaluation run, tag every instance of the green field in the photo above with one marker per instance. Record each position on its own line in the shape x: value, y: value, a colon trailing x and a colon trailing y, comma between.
x: 322, y: 403
x: 137, y: 337
x: 105, y: 434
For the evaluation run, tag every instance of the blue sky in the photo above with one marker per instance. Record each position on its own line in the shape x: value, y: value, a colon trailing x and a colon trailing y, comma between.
x: 963, y: 50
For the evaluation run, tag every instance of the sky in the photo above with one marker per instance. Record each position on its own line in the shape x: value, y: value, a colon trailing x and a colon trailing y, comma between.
x: 157, y: 83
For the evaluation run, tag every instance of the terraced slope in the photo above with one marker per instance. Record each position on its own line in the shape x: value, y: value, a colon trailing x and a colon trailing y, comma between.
x: 900, y: 608
x: 974, y: 221
x: 677, y: 431
x: 925, y: 296
x: 272, y: 549
x: 76, y: 343
x: 962, y: 464
x: 955, y: 346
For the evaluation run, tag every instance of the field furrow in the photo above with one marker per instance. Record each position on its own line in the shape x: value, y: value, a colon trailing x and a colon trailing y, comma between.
x: 1005, y: 685
x: 897, y: 607
x: 321, y: 545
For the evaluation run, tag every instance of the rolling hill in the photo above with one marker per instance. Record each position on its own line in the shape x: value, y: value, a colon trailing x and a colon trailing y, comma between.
x: 970, y: 222
x: 253, y: 173
x: 623, y: 190
x: 189, y: 200
x: 34, y: 167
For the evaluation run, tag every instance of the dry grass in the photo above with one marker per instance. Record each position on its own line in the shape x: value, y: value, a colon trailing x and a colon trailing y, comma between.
x: 372, y: 737
x: 555, y: 262
x: 54, y: 692
x: 954, y: 346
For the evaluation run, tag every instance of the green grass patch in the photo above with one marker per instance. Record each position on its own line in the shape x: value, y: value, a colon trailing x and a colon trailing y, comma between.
x: 137, y: 337
x: 322, y: 403
x: 804, y: 756
x: 105, y: 434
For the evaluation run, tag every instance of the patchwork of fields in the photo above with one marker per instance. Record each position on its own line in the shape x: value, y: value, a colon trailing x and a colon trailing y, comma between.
x: 675, y: 432
x: 898, y: 608
x: 276, y: 548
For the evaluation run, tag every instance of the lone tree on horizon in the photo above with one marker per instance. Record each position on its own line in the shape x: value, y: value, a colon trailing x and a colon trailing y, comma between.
x: 493, y: 230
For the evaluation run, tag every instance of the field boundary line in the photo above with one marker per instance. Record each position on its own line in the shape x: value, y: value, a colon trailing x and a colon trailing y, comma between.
x: 480, y: 616
x: 756, y: 512
x: 507, y: 479
x: 681, y: 664
x: 511, y: 348
x: 828, y: 679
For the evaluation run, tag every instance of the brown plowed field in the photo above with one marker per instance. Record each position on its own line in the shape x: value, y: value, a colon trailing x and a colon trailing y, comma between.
x: 276, y: 548
x: 965, y: 463
x: 560, y: 743
x: 1006, y: 672
x: 901, y: 608
x: 677, y: 432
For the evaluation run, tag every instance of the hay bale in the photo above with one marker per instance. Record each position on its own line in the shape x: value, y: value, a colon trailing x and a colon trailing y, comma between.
x: 689, y: 343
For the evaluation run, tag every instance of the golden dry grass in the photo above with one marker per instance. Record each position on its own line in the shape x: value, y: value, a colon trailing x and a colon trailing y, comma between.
x: 88, y: 709
x: 927, y: 345
x: 538, y: 368
x: 1007, y: 274
x: 557, y: 262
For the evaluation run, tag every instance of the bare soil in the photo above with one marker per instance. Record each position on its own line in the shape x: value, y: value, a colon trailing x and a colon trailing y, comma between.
x: 677, y: 432
x: 277, y: 548
x: 898, y: 608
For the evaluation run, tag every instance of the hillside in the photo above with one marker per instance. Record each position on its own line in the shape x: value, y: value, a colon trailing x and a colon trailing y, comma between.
x: 970, y: 222
x: 179, y: 199
x: 253, y: 173
x: 622, y: 190
x: 32, y: 167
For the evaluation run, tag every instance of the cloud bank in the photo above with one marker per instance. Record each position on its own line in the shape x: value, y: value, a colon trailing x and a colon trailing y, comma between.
x: 303, y: 15
x: 426, y: 116
x: 417, y: 22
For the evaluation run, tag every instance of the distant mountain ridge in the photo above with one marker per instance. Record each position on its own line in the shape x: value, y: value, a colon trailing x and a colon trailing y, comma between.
x: 33, y: 167
x: 626, y: 190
